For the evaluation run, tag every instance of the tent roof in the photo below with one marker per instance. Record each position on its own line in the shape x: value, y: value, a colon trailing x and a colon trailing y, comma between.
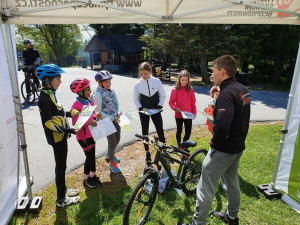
x: 116, y: 43
x: 151, y: 11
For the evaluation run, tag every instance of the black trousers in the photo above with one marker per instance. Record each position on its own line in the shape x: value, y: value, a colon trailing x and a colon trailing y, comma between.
x: 158, y: 123
x: 187, y: 129
x: 88, y: 146
x: 60, y: 150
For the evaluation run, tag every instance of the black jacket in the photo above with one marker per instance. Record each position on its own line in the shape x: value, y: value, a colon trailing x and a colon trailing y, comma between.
x: 54, y: 118
x: 30, y: 56
x: 231, y: 117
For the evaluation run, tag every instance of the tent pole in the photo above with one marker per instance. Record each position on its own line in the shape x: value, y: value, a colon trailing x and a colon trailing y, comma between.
x: 287, y: 116
x: 18, y: 109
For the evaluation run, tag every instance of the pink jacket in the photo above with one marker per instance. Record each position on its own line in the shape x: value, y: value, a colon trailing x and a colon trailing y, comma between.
x: 183, y: 100
x: 84, y: 132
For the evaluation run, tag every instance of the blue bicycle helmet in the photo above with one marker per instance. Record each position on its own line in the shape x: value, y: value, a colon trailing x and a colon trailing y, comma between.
x: 48, y: 70
x: 103, y: 75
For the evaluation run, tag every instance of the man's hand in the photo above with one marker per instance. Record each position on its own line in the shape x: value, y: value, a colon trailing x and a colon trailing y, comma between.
x: 177, y: 110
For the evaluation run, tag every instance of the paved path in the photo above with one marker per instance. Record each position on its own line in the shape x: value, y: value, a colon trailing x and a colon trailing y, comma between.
x: 265, y: 106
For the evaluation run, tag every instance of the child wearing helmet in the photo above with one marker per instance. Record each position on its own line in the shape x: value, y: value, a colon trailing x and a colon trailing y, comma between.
x: 57, y: 130
x: 81, y: 86
x: 108, y: 105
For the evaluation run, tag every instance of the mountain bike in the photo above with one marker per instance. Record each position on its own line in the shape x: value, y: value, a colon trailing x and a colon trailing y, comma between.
x: 143, y: 196
x: 33, y: 88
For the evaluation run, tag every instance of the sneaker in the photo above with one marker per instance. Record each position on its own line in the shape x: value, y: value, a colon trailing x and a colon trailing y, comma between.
x: 97, y: 181
x: 114, y: 167
x: 90, y: 182
x: 225, y: 218
x: 72, y: 192
x: 67, y: 201
x: 116, y: 159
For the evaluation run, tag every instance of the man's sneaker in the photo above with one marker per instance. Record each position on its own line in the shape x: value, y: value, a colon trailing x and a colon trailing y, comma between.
x: 72, y: 192
x: 114, y: 167
x: 225, y: 218
x: 116, y: 159
x: 97, y: 181
x: 90, y: 182
x: 67, y: 201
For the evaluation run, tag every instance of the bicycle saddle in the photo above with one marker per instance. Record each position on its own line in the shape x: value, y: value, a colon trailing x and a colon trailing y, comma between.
x: 188, y: 143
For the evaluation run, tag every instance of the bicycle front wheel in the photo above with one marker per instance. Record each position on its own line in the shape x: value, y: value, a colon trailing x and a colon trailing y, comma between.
x: 191, y: 174
x: 30, y: 96
x: 141, y: 200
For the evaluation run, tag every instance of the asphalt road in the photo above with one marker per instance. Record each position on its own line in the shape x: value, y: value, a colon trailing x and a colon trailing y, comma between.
x: 265, y: 105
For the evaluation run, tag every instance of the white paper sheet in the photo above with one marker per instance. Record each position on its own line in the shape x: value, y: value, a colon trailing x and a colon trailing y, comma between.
x: 207, y: 116
x: 84, y: 115
x: 150, y: 112
x: 127, y: 118
x: 104, y: 128
x: 187, y: 115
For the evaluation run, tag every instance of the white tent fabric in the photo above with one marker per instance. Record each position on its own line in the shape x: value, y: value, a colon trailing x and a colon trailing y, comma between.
x: 141, y: 11
x: 152, y: 11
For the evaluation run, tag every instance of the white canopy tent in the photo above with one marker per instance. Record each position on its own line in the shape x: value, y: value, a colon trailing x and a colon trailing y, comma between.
x: 146, y: 11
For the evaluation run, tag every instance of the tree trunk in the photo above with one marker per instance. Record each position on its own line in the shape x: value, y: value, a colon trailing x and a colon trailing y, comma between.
x: 203, y: 66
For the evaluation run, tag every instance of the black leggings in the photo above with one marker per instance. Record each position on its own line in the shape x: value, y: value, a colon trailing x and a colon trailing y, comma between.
x: 158, y: 123
x: 187, y: 129
x: 88, y: 146
x: 60, y: 150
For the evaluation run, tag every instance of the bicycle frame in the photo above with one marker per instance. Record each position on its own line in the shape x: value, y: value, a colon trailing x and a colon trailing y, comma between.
x: 160, y: 157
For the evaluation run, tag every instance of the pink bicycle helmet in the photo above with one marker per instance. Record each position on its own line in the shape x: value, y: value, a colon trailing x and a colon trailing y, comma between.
x: 79, y: 85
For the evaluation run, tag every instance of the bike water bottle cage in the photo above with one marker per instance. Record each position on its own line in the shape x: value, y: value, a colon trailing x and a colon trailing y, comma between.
x: 80, y: 85
x: 103, y: 75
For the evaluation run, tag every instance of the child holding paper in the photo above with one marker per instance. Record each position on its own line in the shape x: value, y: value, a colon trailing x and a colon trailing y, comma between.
x: 183, y: 100
x: 57, y: 130
x: 149, y: 93
x: 81, y: 86
x: 107, y: 104
x: 210, y: 108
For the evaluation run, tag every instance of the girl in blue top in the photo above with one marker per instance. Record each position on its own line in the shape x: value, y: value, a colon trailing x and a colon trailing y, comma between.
x: 107, y: 104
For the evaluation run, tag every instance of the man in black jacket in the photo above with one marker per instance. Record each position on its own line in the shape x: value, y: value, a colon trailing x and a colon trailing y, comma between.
x: 231, y: 124
x: 31, y: 57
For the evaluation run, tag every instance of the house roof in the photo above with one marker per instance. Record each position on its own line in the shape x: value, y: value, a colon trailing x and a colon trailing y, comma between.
x: 116, y: 43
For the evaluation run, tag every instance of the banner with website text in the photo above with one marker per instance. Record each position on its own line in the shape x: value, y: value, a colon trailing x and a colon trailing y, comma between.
x: 152, y: 11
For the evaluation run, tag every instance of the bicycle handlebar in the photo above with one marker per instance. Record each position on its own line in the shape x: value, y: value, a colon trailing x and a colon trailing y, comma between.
x: 162, y: 145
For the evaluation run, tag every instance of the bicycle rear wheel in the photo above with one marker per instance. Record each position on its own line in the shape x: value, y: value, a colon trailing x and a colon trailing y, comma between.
x: 191, y: 175
x: 141, y: 200
x: 30, y: 96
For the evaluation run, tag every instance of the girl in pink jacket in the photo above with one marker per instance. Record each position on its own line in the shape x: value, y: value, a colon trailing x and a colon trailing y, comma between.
x: 81, y: 86
x: 183, y: 100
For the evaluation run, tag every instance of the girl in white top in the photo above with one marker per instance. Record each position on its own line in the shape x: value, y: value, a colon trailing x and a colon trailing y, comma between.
x: 149, y: 93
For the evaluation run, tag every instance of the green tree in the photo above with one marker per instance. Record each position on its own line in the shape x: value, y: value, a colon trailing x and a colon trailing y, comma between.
x: 56, y: 43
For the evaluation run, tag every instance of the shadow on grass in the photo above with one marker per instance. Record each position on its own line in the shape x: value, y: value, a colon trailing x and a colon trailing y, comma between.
x: 104, y: 203
x: 248, y: 189
x: 61, y: 216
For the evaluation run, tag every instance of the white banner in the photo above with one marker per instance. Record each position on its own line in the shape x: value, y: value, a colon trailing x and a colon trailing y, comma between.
x: 8, y: 141
x: 288, y: 175
x: 152, y: 11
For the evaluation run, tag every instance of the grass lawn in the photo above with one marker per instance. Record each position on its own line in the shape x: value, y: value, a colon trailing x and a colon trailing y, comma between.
x: 105, y: 205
